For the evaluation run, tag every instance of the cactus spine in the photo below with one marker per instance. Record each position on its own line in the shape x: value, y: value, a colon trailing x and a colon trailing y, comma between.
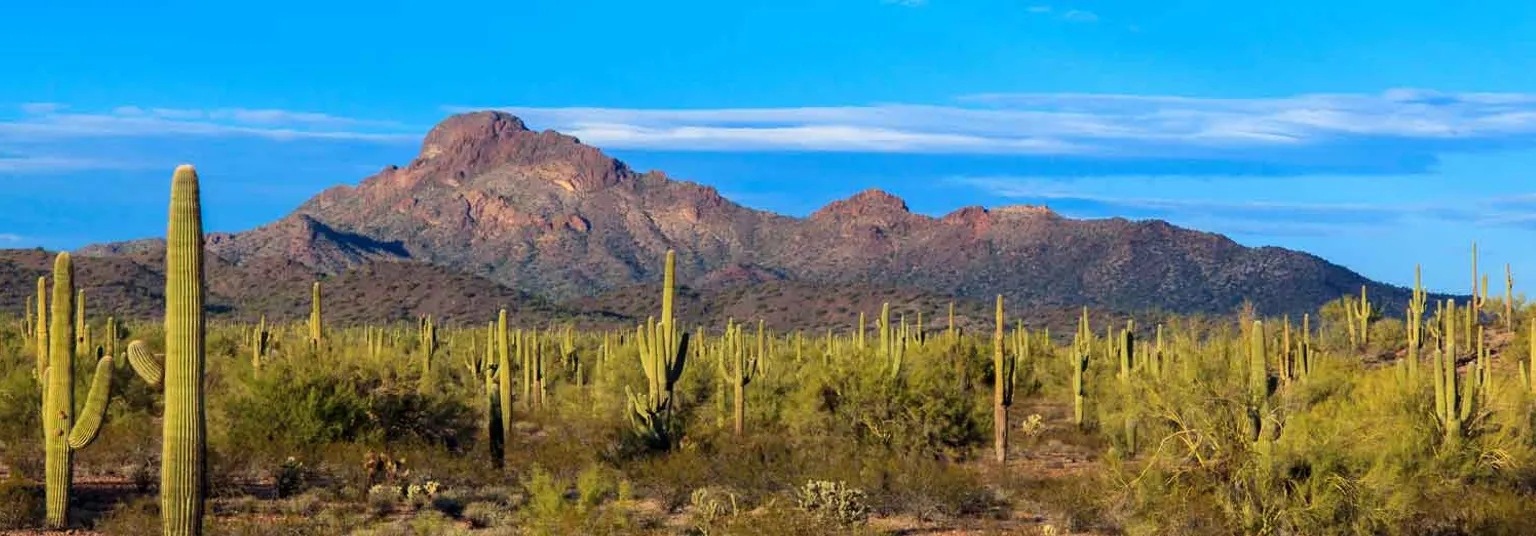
x: 1004, y: 364
x: 65, y: 432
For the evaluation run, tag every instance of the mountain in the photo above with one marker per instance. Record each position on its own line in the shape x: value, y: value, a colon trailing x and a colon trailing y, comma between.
x: 132, y: 285
x: 544, y: 214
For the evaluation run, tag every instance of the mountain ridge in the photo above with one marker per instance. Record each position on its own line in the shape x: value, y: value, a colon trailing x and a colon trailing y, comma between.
x: 542, y: 213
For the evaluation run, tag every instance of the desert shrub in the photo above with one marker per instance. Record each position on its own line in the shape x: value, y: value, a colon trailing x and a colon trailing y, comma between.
x: 138, y: 516
x: 834, y: 501
x: 21, y: 503
x: 486, y: 514
x: 292, y: 411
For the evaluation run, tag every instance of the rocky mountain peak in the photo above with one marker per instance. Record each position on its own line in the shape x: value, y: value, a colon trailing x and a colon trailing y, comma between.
x: 469, y: 131
x: 871, y: 202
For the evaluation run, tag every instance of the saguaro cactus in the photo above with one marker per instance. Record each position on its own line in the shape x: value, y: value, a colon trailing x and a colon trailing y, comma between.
x: 1415, y: 321
x: 504, y: 374
x: 63, y: 432
x: 1359, y: 313
x: 42, y: 332
x: 183, y: 460
x: 316, y: 332
x: 1081, y: 348
x: 739, y: 367
x: 1004, y: 364
x: 663, y: 353
x: 1258, y: 379
x: 182, y: 466
x: 260, y: 338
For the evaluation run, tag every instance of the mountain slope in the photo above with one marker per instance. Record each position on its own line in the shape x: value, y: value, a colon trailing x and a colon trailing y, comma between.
x: 544, y: 214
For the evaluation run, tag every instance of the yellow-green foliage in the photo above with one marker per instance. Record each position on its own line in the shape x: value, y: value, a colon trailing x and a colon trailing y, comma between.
x: 1202, y: 425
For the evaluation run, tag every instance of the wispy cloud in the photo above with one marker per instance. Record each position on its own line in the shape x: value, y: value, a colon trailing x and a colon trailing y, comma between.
x: 1073, y: 15
x: 1078, y: 15
x: 907, y: 3
x: 1396, y: 126
x: 1085, y: 197
x: 35, y: 164
x: 41, y: 107
x: 9, y: 238
x: 52, y: 121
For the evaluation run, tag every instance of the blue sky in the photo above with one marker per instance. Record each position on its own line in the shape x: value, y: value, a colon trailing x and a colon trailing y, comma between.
x: 1375, y: 134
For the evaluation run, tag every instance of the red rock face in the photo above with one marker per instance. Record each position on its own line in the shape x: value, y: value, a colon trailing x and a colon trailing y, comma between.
x: 553, y: 217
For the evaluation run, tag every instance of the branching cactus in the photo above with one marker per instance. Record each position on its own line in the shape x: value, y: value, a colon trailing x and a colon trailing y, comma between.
x: 1004, y: 365
x: 663, y: 353
x: 183, y: 458
x: 64, y: 431
x: 1082, y: 346
x: 739, y: 368
x: 1454, y: 397
x: 1359, y: 313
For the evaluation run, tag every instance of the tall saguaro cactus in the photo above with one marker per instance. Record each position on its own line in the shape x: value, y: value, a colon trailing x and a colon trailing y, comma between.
x: 64, y: 431
x: 1081, y: 348
x: 504, y: 374
x: 663, y: 353
x: 183, y: 454
x: 316, y: 331
x: 1003, y: 366
x: 182, y: 465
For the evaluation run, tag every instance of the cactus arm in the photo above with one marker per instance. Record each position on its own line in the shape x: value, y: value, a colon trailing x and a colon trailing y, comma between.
x: 145, y: 364
x: 88, y: 425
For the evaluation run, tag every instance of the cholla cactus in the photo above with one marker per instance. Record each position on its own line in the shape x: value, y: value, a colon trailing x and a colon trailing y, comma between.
x: 835, y: 501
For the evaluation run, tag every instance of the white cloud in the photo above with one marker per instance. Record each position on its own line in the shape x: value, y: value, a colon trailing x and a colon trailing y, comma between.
x: 907, y: 3
x: 1067, y: 123
x: 8, y: 238
x: 35, y: 165
x: 1504, y: 210
x: 51, y: 122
